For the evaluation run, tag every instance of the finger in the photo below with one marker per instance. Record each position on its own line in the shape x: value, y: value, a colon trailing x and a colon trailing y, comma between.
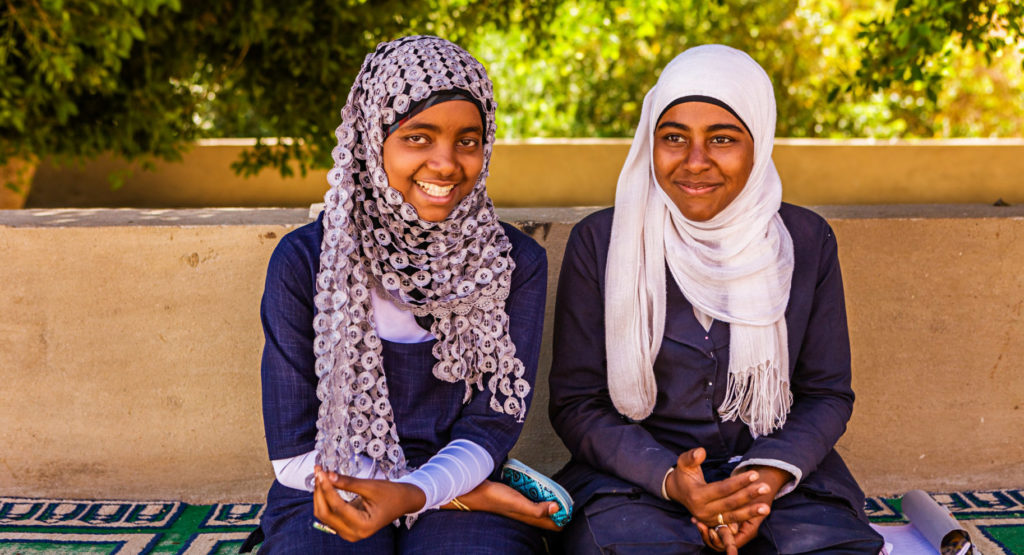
x: 741, y: 505
x: 367, y: 490
x: 323, y: 513
x: 725, y: 533
x: 733, y: 484
x: 747, y: 512
x: 335, y: 512
x: 329, y: 494
x: 691, y: 459
x: 711, y: 540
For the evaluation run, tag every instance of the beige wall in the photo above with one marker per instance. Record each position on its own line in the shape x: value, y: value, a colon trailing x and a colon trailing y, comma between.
x: 130, y: 340
x: 579, y: 172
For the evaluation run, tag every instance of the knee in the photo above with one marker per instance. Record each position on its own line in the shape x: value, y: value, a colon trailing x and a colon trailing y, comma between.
x: 630, y: 524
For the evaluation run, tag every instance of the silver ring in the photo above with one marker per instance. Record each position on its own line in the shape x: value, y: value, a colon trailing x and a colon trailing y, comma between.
x: 721, y: 526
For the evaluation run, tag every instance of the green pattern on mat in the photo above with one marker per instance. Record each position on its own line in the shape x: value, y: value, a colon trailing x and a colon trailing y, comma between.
x: 125, y: 527
x: 995, y: 520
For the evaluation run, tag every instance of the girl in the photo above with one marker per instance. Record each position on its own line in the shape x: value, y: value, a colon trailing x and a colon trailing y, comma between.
x: 701, y: 372
x: 403, y: 329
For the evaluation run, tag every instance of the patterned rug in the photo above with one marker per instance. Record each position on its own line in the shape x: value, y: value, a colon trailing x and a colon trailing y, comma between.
x: 994, y: 519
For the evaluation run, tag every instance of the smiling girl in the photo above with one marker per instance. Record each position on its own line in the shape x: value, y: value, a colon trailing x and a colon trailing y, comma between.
x: 403, y: 329
x: 701, y: 372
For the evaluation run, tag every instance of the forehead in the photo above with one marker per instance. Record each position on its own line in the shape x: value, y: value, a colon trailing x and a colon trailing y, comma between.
x: 453, y: 113
x: 697, y: 115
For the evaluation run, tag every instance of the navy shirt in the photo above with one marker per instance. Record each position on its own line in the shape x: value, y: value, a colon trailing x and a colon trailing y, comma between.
x: 611, y: 453
x: 429, y: 413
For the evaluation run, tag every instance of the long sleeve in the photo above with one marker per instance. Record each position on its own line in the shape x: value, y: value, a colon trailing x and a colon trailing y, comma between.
x: 287, y: 372
x: 477, y: 422
x: 290, y: 404
x: 820, y: 345
x: 580, y: 408
x: 455, y: 470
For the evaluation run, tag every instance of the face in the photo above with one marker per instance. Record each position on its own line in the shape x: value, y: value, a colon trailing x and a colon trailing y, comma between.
x: 434, y: 158
x: 702, y: 158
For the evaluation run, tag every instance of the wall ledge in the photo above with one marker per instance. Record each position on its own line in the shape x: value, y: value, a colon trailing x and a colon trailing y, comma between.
x: 191, y: 217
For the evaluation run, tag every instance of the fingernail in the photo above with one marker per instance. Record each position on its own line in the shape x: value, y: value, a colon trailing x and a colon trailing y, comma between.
x: 753, y: 476
x: 763, y: 489
x: 762, y: 510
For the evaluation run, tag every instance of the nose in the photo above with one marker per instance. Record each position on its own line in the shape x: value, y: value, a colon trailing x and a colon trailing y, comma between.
x: 442, y: 160
x: 697, y: 158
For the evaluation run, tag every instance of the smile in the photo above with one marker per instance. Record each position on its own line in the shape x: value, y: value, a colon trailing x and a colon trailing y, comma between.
x: 697, y: 188
x: 435, y: 190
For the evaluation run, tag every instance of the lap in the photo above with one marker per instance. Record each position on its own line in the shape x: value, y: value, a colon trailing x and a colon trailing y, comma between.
x: 626, y: 523
x: 803, y: 522
x: 288, y: 526
x: 466, y: 533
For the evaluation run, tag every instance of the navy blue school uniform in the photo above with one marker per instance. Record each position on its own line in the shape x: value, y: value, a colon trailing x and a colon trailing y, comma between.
x: 429, y: 413
x: 617, y: 466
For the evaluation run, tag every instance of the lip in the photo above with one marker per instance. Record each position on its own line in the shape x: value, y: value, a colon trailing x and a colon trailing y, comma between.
x: 697, y: 188
x: 451, y: 185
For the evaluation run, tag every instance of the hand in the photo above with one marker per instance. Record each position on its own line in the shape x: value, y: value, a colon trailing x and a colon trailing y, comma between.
x: 497, y: 498
x: 720, y: 538
x: 735, y: 498
x: 775, y: 478
x: 379, y: 503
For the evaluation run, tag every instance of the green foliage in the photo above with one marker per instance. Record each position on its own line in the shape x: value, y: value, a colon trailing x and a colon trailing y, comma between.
x: 80, y: 80
x: 825, y: 58
x: 919, y: 38
x: 144, y: 78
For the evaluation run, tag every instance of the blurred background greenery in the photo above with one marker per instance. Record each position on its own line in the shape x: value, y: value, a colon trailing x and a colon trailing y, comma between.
x: 145, y: 78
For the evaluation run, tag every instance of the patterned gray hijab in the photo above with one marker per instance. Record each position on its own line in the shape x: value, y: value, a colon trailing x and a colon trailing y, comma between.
x: 457, y: 271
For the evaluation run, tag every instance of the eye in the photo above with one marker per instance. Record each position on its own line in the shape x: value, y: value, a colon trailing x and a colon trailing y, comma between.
x: 416, y: 139
x: 722, y: 140
x: 675, y: 138
x: 469, y: 142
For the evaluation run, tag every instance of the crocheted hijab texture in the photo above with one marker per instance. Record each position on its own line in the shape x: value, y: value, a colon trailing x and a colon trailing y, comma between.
x: 457, y: 271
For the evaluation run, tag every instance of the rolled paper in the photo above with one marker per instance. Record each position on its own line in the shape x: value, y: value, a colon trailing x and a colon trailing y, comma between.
x: 936, y: 524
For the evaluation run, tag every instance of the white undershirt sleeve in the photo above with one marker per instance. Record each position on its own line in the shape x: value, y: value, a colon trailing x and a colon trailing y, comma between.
x: 296, y: 472
x: 456, y: 469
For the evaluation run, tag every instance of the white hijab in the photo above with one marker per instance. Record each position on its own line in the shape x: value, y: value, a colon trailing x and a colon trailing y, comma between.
x: 736, y: 267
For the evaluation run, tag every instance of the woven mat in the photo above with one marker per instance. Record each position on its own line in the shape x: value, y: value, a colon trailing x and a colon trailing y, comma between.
x: 994, y: 519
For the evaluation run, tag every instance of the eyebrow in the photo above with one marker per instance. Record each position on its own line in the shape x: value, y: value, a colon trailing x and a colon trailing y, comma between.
x: 436, y: 129
x: 712, y: 127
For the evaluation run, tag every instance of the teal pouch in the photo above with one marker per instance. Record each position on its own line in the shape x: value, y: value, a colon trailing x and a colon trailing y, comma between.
x: 537, y: 487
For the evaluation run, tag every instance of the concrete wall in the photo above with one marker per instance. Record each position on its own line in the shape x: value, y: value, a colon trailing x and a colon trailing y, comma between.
x: 577, y: 172
x: 130, y: 341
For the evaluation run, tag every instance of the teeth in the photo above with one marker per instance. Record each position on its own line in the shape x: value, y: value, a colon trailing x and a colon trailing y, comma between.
x: 435, y: 190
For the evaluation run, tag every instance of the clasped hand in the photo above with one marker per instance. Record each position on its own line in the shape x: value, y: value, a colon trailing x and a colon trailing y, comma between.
x: 741, y: 502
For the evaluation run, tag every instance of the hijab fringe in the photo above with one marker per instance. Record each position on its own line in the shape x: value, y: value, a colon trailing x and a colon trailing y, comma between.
x: 736, y: 267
